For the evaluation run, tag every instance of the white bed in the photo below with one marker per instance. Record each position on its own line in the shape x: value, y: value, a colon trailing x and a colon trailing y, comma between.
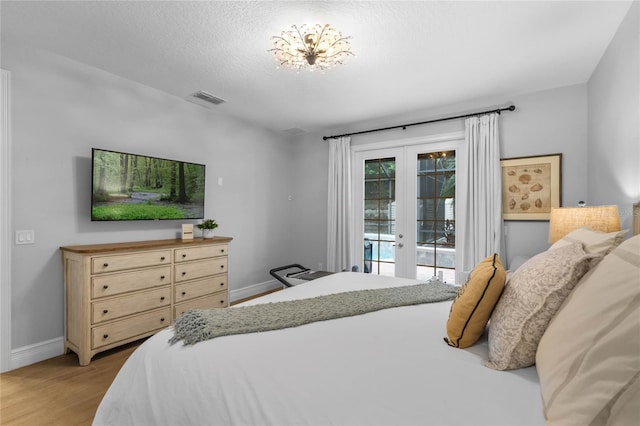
x: 389, y: 367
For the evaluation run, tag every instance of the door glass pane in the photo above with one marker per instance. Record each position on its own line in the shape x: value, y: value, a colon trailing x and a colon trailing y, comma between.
x: 371, y: 189
x: 435, y: 227
x: 371, y: 227
x: 379, y: 213
x: 426, y: 233
x: 371, y: 209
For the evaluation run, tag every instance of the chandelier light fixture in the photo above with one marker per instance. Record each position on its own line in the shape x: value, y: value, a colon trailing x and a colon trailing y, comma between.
x: 315, y: 47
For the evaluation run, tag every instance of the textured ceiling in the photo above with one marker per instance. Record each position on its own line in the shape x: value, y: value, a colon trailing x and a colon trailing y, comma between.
x: 410, y: 55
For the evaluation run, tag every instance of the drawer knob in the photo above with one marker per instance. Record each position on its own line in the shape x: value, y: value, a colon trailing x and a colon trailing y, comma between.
x: 105, y: 336
x: 184, y: 255
x: 105, y: 265
x: 221, y: 266
x: 105, y: 286
x: 105, y: 311
x: 184, y: 273
x: 162, y: 298
x: 222, y: 251
x: 162, y: 277
x: 221, y: 284
x: 222, y: 302
x: 162, y: 319
x: 162, y: 258
x: 184, y: 293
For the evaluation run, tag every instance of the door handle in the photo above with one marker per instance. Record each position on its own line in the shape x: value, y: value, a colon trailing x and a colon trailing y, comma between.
x: 400, y: 245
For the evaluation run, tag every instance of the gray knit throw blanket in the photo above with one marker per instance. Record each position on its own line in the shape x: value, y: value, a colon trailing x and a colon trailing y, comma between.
x: 197, y: 325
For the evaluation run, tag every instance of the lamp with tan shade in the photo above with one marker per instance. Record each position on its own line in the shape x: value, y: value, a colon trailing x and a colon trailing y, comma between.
x: 563, y: 220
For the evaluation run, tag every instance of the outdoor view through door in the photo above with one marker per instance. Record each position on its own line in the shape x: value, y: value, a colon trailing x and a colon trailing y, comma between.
x: 434, y: 198
x: 379, y: 216
x: 436, y: 222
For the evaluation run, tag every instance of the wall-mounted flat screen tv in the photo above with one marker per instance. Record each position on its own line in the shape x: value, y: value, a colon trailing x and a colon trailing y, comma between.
x: 137, y: 187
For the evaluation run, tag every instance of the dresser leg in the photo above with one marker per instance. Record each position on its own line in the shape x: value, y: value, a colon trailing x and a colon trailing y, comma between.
x: 84, y: 360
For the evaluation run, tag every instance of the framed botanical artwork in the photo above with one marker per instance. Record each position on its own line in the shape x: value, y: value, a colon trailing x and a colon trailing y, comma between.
x: 531, y: 186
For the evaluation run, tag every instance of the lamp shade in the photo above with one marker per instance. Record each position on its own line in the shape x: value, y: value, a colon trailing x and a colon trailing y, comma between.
x: 563, y: 220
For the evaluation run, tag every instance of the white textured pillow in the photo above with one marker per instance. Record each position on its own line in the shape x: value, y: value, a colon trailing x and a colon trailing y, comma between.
x: 530, y: 299
x: 588, y: 360
x: 594, y: 242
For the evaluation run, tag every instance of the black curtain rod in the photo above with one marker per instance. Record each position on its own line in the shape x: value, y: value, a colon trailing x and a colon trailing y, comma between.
x: 404, y: 126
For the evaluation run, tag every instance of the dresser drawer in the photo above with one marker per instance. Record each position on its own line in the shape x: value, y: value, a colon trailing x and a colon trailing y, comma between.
x: 130, y: 304
x: 201, y: 268
x: 110, y: 285
x: 107, y: 334
x: 199, y: 287
x: 119, y: 262
x: 217, y: 300
x: 196, y: 253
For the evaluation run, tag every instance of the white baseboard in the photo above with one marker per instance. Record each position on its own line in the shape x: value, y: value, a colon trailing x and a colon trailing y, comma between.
x: 253, y: 290
x: 37, y: 352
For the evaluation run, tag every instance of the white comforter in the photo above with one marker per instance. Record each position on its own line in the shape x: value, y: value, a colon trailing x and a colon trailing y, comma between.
x: 389, y: 367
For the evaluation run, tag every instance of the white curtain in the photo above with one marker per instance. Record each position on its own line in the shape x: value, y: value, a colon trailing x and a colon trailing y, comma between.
x: 481, y: 220
x: 339, y: 205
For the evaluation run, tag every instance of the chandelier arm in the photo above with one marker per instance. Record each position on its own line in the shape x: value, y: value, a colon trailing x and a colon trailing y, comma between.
x: 283, y: 39
x: 341, y: 39
x: 322, y: 33
x: 278, y: 50
x: 346, y: 52
x: 285, y: 53
x: 301, y: 37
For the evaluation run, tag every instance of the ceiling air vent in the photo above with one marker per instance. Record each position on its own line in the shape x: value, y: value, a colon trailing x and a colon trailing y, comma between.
x: 208, y: 97
x: 204, y: 99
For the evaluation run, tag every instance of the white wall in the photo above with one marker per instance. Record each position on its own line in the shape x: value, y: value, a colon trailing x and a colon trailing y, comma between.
x: 61, y: 109
x: 614, y: 122
x: 547, y: 122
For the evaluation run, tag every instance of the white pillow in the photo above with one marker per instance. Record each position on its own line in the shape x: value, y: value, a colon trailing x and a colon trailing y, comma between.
x: 594, y: 242
x: 588, y: 359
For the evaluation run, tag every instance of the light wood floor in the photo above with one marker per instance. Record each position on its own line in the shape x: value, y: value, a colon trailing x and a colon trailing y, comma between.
x: 58, y: 391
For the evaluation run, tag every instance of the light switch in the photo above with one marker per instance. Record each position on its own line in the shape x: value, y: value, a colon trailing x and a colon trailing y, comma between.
x: 25, y: 237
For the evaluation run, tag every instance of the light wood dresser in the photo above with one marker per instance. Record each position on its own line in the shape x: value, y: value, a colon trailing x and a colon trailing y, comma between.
x: 120, y: 292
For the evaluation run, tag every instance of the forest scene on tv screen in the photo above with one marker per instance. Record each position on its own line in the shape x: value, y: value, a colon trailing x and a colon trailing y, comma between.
x: 135, y: 187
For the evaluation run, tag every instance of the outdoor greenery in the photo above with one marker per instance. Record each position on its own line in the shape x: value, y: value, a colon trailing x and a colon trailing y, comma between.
x: 136, y: 212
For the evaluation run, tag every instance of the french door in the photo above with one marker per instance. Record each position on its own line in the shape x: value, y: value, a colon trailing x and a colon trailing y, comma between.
x: 404, y: 204
x: 379, y: 197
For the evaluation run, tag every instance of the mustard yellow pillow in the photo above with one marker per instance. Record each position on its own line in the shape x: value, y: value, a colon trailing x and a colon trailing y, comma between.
x: 472, y: 307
